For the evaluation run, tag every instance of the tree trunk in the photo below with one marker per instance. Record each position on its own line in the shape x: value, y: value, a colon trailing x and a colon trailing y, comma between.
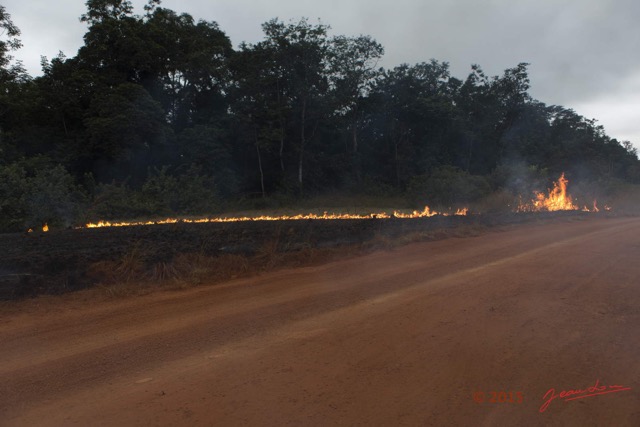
x: 302, y: 141
x: 354, y: 129
x: 64, y: 124
x: 281, y: 150
x: 470, y: 153
x: 397, y: 161
x: 354, y: 136
x: 402, y: 133
x: 282, y: 127
x: 264, y: 195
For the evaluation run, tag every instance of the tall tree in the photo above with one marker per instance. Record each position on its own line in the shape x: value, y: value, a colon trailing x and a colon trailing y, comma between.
x: 99, y: 11
x: 300, y: 53
x: 256, y: 106
x: 126, y: 132
x: 354, y: 70
x: 415, y: 104
x: 13, y: 79
x: 9, y: 41
x: 512, y: 93
x: 191, y: 65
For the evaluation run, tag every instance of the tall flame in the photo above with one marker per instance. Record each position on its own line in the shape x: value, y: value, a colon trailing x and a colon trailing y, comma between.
x: 556, y: 200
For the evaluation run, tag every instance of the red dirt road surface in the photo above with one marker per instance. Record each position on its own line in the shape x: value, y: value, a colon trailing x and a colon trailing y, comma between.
x: 463, y: 331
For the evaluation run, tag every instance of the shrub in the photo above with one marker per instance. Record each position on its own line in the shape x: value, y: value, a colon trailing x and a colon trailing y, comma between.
x: 521, y: 179
x: 197, y: 193
x: 497, y: 202
x: 447, y: 186
x: 159, y: 193
x: 189, y: 193
x: 49, y: 196
x: 14, y: 188
x: 115, y: 201
x: 54, y: 198
x: 162, y: 194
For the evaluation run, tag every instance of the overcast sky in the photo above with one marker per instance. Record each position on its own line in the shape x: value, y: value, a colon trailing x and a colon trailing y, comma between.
x: 584, y: 54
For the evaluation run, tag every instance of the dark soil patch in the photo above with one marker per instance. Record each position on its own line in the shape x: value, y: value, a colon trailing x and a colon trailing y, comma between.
x: 61, y: 261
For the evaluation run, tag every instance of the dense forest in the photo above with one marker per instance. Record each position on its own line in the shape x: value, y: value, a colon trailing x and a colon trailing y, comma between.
x: 158, y: 114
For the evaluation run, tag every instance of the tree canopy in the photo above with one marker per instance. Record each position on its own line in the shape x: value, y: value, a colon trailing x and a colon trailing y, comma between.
x: 164, y: 96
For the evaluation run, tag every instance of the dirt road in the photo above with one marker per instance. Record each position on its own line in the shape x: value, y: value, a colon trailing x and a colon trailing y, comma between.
x: 426, y: 334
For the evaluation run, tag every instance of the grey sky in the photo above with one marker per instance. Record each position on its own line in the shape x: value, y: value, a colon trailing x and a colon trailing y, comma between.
x: 583, y: 53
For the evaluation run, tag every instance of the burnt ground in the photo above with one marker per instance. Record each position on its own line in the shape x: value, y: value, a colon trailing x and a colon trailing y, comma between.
x: 61, y: 261
x: 486, y: 329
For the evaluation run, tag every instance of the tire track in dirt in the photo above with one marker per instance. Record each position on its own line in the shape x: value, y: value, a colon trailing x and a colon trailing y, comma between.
x: 128, y: 332
x: 380, y: 316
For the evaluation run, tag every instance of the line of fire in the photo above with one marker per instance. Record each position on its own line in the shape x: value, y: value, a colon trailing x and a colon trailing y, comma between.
x: 556, y: 199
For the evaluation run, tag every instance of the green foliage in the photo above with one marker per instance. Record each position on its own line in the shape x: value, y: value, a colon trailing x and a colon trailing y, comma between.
x: 197, y: 193
x: 205, y: 148
x: 498, y: 202
x: 162, y: 194
x: 123, y: 120
x: 49, y: 196
x: 114, y: 201
x: 14, y: 188
x: 447, y: 187
x: 10, y: 41
x: 54, y: 198
x: 189, y: 193
x: 101, y: 10
x: 372, y: 187
x: 166, y: 118
x: 520, y: 178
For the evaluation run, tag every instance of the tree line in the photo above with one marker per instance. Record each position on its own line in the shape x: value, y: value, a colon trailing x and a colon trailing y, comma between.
x: 159, y: 114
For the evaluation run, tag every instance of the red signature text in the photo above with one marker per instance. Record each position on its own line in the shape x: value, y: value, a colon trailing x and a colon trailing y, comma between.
x: 568, y: 395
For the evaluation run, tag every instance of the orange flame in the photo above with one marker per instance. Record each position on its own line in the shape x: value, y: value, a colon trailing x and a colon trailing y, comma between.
x: 45, y: 228
x: 557, y: 200
x: 462, y: 212
x: 427, y: 212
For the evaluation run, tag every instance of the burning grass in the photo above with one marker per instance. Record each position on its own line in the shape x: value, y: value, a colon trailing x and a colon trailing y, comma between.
x: 122, y: 261
x: 193, y: 251
x: 136, y: 272
x: 425, y: 213
x: 556, y: 199
x: 198, y: 269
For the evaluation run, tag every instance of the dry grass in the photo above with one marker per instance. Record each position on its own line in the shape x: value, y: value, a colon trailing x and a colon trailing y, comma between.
x: 349, y: 203
x: 269, y: 254
x: 163, y: 271
x: 196, y: 269
x: 129, y: 267
x: 382, y: 241
x: 122, y: 290
x: 496, y: 203
x: 627, y: 201
x: 130, y: 275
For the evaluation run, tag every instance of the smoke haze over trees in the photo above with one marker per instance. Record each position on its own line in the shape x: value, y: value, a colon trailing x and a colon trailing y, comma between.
x: 157, y: 114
